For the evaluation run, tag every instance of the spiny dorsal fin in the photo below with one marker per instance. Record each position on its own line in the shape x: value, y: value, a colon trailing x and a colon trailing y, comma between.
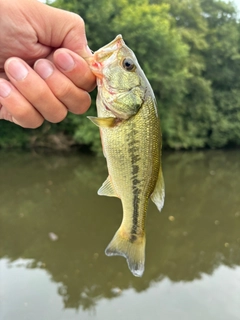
x: 159, y: 191
x: 104, y: 122
x: 107, y: 189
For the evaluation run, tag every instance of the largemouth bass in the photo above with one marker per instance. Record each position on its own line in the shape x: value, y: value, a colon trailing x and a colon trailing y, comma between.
x: 131, y: 140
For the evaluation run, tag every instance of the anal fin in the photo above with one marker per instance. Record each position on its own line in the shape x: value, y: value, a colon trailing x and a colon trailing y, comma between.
x: 107, y: 189
x: 158, y: 194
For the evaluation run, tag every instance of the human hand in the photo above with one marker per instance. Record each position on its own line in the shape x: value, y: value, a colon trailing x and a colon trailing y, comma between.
x: 42, y: 70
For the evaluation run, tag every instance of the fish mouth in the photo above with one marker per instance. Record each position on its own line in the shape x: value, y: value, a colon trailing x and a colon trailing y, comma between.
x: 109, y: 49
x: 95, y: 66
x: 96, y: 61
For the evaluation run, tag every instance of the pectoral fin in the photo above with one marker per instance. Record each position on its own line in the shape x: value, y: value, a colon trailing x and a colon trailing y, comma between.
x: 107, y: 189
x: 159, y: 191
x: 104, y: 122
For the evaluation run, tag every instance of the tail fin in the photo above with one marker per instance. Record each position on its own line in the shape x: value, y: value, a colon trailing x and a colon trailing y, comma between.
x: 132, y: 249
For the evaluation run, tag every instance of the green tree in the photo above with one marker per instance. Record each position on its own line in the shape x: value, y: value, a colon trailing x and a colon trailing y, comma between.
x: 150, y: 31
x: 223, y: 68
x: 189, y: 50
x: 188, y: 123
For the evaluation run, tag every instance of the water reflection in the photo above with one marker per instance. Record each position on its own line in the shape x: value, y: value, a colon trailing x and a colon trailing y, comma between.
x: 197, y: 231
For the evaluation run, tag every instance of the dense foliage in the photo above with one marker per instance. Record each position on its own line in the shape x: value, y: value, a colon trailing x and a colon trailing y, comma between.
x: 190, y: 52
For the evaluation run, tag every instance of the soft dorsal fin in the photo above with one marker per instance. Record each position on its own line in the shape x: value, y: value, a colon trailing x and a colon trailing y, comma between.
x: 159, y: 191
x: 107, y: 189
x: 104, y: 122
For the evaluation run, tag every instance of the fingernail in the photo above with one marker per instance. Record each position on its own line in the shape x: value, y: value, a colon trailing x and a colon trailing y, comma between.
x: 16, y: 69
x: 43, y: 68
x: 5, y: 89
x: 65, y: 61
x: 89, y: 51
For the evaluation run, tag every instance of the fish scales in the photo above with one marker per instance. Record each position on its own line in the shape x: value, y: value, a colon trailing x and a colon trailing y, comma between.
x: 134, y: 175
x: 131, y: 140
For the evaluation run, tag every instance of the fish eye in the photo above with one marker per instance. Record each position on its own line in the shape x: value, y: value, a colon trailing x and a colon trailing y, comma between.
x: 128, y: 64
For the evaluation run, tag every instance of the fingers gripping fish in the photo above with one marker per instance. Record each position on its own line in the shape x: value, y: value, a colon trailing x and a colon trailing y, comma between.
x: 131, y: 140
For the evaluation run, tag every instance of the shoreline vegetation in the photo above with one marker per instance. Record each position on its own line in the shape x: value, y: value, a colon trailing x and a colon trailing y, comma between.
x: 190, y: 52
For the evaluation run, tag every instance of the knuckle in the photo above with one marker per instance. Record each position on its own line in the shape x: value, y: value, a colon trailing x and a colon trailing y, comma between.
x: 59, y: 116
x: 63, y: 91
x: 36, y: 124
x: 79, y: 20
x: 22, y: 114
x: 32, y: 123
x: 85, y: 104
x: 81, y: 105
x: 77, y: 23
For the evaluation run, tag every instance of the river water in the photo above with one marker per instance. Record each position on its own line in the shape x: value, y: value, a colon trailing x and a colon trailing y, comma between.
x: 54, y: 229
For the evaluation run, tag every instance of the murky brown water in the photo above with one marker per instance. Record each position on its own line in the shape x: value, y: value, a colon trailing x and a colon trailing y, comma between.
x: 54, y: 229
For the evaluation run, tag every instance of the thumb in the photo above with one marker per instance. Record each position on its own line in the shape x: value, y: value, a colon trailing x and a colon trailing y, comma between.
x: 59, y: 28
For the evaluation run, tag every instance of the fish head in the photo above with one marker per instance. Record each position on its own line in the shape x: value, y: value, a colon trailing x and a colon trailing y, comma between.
x: 122, y: 85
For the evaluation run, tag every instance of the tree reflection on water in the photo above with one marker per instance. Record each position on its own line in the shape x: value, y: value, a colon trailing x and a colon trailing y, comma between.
x: 197, y: 231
